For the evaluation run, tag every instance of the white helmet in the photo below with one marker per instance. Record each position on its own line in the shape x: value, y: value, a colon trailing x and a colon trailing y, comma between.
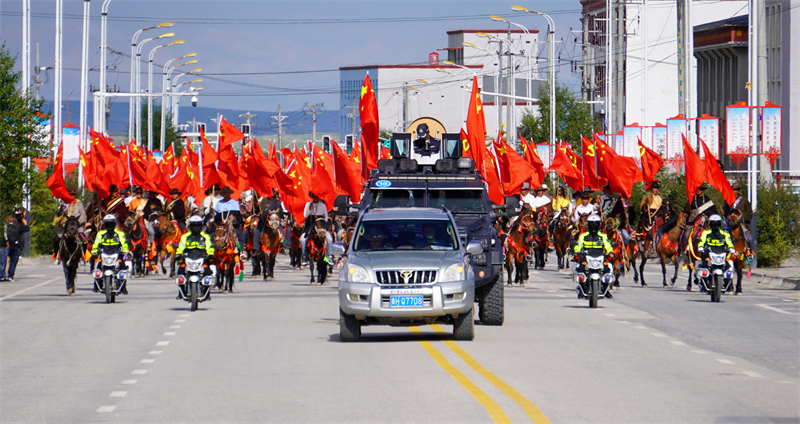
x: 715, y: 222
x: 195, y: 223
x: 109, y: 221
x: 593, y: 223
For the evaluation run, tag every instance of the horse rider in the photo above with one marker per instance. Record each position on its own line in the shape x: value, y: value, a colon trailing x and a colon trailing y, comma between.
x: 196, y: 238
x: 592, y: 238
x: 138, y: 202
x: 585, y: 207
x: 612, y: 206
x: 525, y: 196
x: 176, y: 209
x: 716, y: 236
x: 701, y: 205
x: 743, y: 206
x: 317, y: 209
x: 651, y: 207
x: 110, y: 235
x: 64, y: 212
x: 126, y: 194
x: 114, y: 204
x: 228, y: 210
x: 153, y: 205
x: 212, y: 196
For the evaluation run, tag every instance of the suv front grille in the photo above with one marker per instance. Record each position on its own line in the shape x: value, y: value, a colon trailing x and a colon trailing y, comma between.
x: 405, y: 277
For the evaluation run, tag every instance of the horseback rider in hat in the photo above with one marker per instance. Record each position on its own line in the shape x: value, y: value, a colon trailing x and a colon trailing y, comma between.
x: 64, y: 212
x: 176, y: 209
x: 743, y: 206
x: 114, y: 204
x: 315, y: 209
x: 228, y: 210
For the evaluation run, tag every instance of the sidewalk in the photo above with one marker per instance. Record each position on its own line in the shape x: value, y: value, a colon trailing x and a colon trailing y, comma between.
x: 787, y: 276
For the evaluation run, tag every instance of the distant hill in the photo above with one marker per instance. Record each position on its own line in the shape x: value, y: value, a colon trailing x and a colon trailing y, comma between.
x: 296, y: 123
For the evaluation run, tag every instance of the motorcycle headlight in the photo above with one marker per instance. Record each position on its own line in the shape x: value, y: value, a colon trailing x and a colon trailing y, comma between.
x: 194, y: 265
x: 717, y: 258
x: 357, y: 274
x: 108, y: 260
x: 454, y: 272
x: 594, y: 262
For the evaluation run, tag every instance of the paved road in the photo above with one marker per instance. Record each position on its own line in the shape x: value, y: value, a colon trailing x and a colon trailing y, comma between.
x: 270, y: 353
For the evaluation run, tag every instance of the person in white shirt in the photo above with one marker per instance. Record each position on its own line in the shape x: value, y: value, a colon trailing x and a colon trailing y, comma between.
x: 585, y: 207
x: 212, y: 197
x: 525, y: 195
x: 541, y: 199
x: 315, y: 208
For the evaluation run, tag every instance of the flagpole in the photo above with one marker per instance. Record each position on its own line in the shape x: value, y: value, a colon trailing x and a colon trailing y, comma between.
x: 130, y: 174
x: 596, y: 173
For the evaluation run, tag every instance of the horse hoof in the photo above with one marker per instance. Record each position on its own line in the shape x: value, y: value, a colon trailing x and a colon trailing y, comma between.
x: 509, y: 285
x: 644, y: 284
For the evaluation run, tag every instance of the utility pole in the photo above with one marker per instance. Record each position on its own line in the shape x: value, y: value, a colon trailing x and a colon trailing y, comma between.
x: 247, y: 117
x: 355, y: 110
x: 314, y: 114
x: 280, y: 119
x: 405, y: 106
x: 511, y: 124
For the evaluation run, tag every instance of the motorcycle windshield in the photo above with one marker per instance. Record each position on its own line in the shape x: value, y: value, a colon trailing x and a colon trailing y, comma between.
x: 194, y: 254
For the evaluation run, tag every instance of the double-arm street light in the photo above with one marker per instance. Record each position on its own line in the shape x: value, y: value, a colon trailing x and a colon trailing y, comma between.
x: 528, y: 33
x: 134, y: 73
x: 150, y: 90
x: 138, y: 82
x: 550, y: 69
x: 175, y: 85
x: 175, y: 90
x: 511, y: 102
x: 496, y: 76
x: 165, y: 86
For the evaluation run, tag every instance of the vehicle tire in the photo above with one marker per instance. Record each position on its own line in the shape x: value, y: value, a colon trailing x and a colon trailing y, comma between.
x: 595, y: 294
x: 349, y: 328
x: 194, y: 295
x: 492, y: 302
x: 107, y: 286
x: 464, y: 327
x: 716, y: 295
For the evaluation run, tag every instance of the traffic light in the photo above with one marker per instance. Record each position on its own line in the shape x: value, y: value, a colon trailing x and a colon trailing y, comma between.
x: 348, y: 143
x: 246, y: 129
x: 201, y: 126
x: 326, y: 143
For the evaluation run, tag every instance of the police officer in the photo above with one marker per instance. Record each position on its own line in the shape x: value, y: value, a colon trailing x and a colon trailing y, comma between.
x: 195, y: 238
x: 425, y: 145
x: 716, y: 236
x: 110, y: 235
x: 592, y: 238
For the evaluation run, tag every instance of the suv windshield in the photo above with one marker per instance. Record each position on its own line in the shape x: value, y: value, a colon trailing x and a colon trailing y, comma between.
x: 457, y: 200
x: 395, y: 198
x: 411, y: 234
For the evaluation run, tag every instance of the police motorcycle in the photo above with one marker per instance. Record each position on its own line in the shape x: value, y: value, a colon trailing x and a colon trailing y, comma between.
x: 110, y: 277
x: 592, y: 271
x: 196, y: 273
x: 716, y: 268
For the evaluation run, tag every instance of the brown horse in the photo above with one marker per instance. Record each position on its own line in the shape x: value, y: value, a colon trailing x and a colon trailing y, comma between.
x: 168, y: 242
x: 689, y: 246
x: 317, y: 249
x: 667, y: 247
x: 541, y: 240
x: 70, y: 251
x: 613, y: 236
x: 517, y: 248
x: 561, y: 239
x: 227, y: 257
x: 138, y: 236
x: 270, y: 246
x: 295, y: 250
x: 736, y: 230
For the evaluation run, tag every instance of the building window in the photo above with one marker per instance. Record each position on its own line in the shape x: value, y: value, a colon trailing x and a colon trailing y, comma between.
x: 774, y: 42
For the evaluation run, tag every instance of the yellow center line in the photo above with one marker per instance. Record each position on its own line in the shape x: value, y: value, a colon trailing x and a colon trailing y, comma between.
x: 494, y: 410
x: 534, y: 413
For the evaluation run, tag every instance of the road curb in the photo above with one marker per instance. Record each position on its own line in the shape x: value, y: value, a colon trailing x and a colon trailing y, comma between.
x: 35, y: 261
x: 774, y: 280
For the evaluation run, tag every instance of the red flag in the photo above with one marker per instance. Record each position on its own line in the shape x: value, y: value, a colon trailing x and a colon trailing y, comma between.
x: 620, y: 171
x: 155, y: 177
x: 370, y: 130
x: 293, y: 187
x: 514, y: 170
x: 476, y: 129
x: 56, y: 181
x: 651, y: 164
x: 385, y: 152
x: 228, y: 134
x: 168, y: 162
x: 228, y: 169
x: 137, y: 164
x: 565, y: 163
x: 193, y: 157
x: 103, y: 151
x: 590, y: 177
x: 532, y: 157
x: 716, y: 177
x: 348, y: 174
x: 695, y: 169
x: 321, y: 180
x: 210, y: 157
x: 492, y: 179
x: 260, y: 170
x: 88, y: 170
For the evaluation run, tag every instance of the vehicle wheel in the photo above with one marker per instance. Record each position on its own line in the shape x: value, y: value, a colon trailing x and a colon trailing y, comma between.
x: 594, y: 295
x: 349, y: 328
x: 717, y: 293
x: 109, y: 291
x: 492, y: 303
x: 464, y: 327
x: 194, y: 296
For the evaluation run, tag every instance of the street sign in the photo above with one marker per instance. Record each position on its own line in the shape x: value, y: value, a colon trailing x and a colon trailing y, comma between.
x: 737, y: 128
x: 771, y: 130
x: 631, y: 137
x: 708, y: 128
x: 676, y: 130
x: 659, y: 140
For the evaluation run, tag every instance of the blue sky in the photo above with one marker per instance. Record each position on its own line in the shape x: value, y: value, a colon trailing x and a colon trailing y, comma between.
x: 255, y: 54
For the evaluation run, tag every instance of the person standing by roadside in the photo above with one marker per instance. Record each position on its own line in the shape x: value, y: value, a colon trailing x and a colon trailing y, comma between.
x: 14, y: 228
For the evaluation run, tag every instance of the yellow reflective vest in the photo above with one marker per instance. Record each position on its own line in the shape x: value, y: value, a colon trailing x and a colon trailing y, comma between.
x: 721, y: 239
x: 199, y: 241
x: 597, y: 241
x: 114, y: 237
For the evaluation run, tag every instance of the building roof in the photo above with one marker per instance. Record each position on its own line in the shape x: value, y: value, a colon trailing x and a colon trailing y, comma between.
x: 725, y: 32
x: 411, y: 66
x: 742, y: 20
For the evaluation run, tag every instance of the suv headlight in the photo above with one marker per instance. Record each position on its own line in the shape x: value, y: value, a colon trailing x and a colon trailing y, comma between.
x: 357, y: 274
x: 455, y: 272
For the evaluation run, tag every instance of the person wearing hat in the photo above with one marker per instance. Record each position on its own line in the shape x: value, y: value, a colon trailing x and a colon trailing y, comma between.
x: 14, y: 227
x: 612, y: 206
x: 561, y: 201
x: 700, y: 205
x: 139, y: 202
x: 153, y: 206
x: 315, y: 209
x: 64, y: 212
x: 525, y: 196
x: 542, y: 200
x: 651, y: 207
x: 212, y: 196
x: 114, y: 204
x: 176, y: 209
x: 228, y: 210
x: 375, y: 239
x: 585, y: 207
x: 425, y: 145
x: 742, y: 205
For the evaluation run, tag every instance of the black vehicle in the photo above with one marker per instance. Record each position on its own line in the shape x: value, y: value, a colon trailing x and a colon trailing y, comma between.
x: 194, y: 285
x: 593, y: 283
x: 111, y: 275
x: 715, y: 273
x: 448, y: 180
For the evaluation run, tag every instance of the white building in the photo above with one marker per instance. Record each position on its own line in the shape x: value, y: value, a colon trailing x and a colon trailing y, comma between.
x: 435, y: 89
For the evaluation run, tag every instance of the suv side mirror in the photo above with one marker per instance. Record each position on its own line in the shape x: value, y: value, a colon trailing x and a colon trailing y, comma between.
x: 338, y: 250
x: 341, y: 205
x: 474, y: 247
x: 512, y: 206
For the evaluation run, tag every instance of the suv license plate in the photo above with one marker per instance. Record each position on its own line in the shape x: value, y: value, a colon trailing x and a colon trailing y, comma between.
x: 405, y: 301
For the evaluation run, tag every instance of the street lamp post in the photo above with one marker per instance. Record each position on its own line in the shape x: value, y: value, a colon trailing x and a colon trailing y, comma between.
x: 103, y: 48
x: 138, y: 84
x: 510, y: 120
x: 191, y: 89
x: 528, y: 33
x: 165, y: 88
x: 150, y: 91
x: 134, y: 60
x: 496, y: 77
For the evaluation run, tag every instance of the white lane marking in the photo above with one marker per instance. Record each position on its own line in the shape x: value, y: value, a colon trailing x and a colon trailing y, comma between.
x: 781, y: 311
x: 29, y: 289
x: 184, y: 315
x: 156, y: 352
x: 35, y: 275
x: 118, y: 394
x: 701, y: 352
x: 678, y: 343
x: 162, y: 343
x: 659, y: 334
x: 752, y: 374
x: 139, y: 372
x: 107, y: 408
x: 169, y: 333
x: 785, y: 382
x: 788, y: 300
x: 609, y: 315
x: 725, y: 361
x: 561, y: 295
x: 551, y: 291
x: 129, y: 381
x: 174, y: 326
x: 148, y: 361
x: 623, y: 322
x: 180, y: 320
x: 640, y: 327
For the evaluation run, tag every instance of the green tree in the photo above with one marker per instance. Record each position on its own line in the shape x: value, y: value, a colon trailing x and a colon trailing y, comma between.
x: 172, y: 136
x: 19, y: 136
x: 573, y: 118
